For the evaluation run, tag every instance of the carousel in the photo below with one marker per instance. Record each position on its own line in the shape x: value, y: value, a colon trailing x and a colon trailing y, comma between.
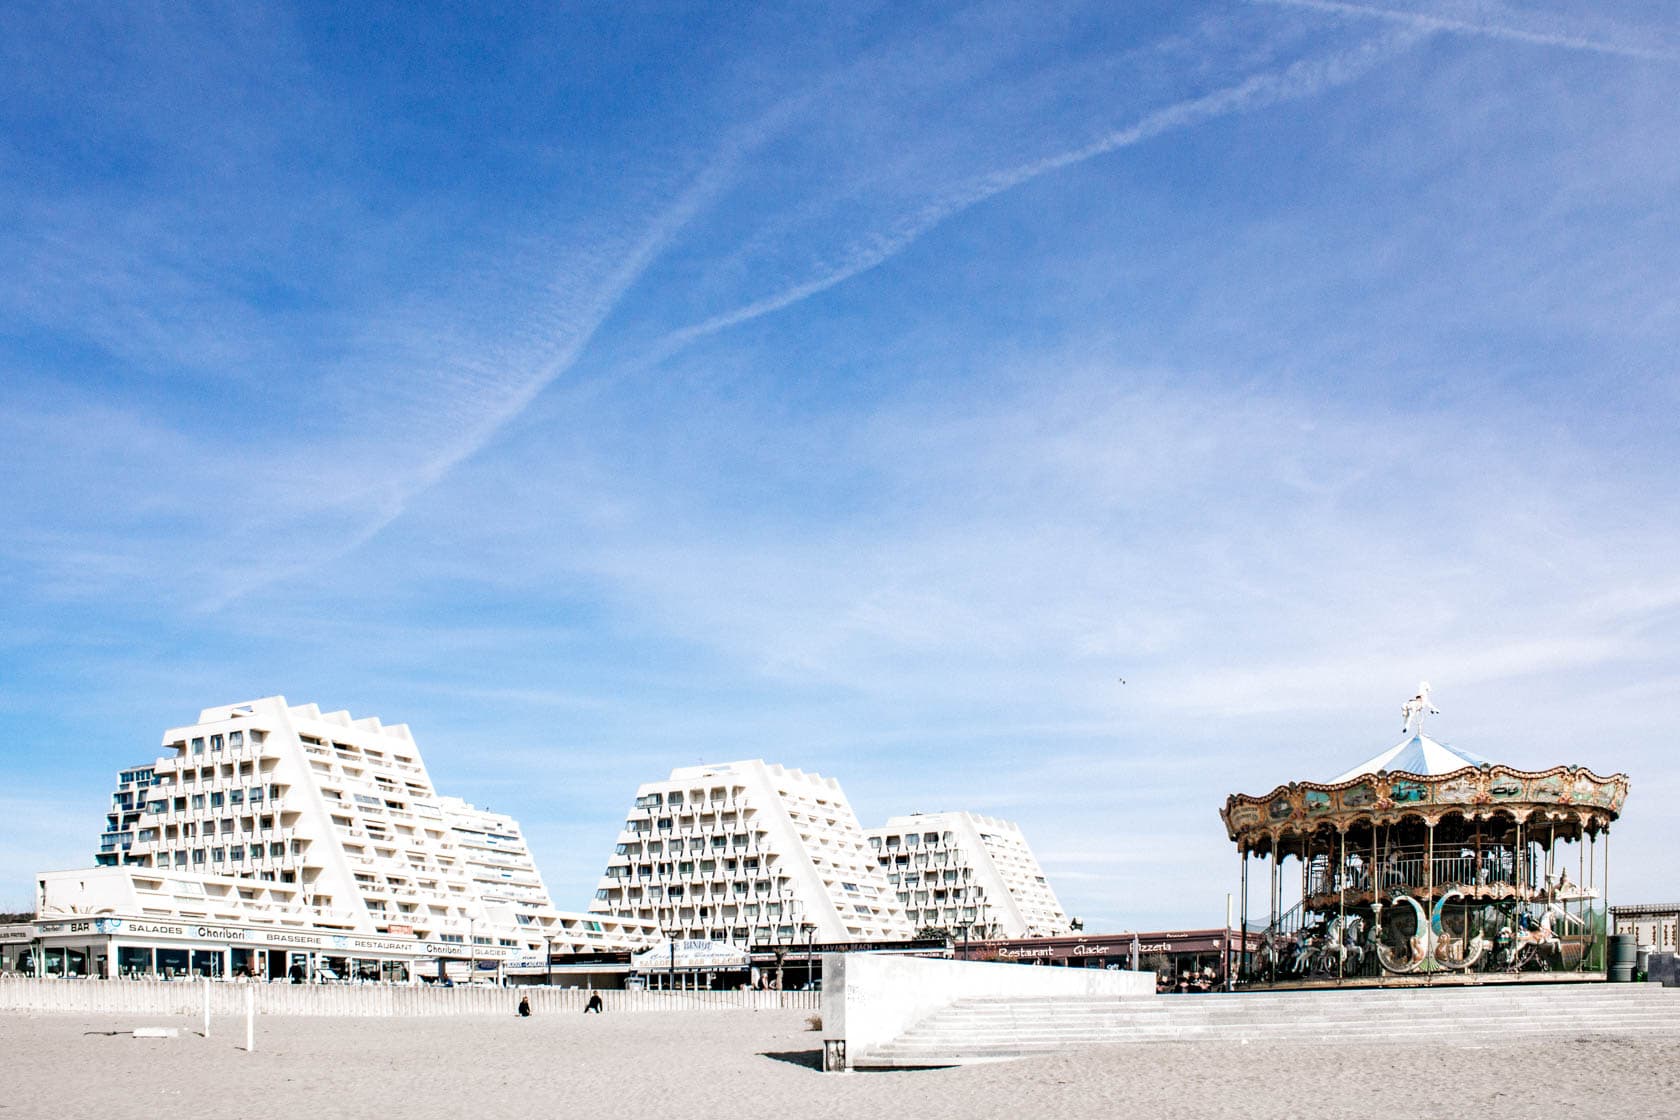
x: 1427, y: 864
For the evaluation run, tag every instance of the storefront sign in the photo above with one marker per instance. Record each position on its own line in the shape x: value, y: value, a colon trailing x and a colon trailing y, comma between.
x: 691, y: 955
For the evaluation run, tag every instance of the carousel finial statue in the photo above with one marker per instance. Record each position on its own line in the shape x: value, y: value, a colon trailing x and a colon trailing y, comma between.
x: 1416, y: 708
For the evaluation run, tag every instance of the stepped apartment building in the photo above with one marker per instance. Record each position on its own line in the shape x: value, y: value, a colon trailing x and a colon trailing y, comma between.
x: 972, y: 875
x: 749, y: 853
x: 283, y: 815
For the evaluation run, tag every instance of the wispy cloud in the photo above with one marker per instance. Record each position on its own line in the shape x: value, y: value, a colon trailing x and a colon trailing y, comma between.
x: 1344, y: 368
x: 1495, y: 21
x: 1301, y: 79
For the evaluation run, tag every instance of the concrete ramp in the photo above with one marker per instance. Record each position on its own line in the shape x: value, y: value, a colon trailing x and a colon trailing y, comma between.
x: 871, y: 1000
x: 998, y: 1029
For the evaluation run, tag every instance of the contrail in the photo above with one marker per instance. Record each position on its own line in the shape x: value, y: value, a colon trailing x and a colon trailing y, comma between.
x: 1302, y: 79
x: 1424, y: 21
x: 504, y: 399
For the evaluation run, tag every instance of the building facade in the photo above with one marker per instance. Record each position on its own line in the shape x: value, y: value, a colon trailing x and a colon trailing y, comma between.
x: 749, y: 853
x: 971, y: 875
x: 131, y: 921
x: 1654, y: 924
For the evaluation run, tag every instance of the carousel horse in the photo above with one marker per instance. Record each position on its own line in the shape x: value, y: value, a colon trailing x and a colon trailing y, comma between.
x: 1301, y: 959
x: 1539, y: 944
x: 1341, y: 946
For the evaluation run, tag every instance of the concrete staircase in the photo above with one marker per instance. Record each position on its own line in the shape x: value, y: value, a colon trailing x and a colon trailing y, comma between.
x: 989, y: 1030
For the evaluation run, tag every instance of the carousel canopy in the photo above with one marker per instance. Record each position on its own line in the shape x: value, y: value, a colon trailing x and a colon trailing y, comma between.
x: 1417, y: 755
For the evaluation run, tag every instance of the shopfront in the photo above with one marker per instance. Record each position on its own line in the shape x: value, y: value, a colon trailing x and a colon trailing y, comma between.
x: 112, y: 947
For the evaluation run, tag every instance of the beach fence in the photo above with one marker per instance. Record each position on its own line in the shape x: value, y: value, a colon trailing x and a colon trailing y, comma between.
x: 167, y: 997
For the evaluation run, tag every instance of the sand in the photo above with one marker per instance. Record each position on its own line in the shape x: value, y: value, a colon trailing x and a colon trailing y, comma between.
x: 745, y: 1065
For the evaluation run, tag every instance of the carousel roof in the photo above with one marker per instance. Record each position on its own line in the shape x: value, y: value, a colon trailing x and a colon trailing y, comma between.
x: 1417, y: 755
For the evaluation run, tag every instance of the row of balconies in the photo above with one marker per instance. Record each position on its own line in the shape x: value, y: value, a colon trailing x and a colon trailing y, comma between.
x: 164, y: 812
x: 679, y: 892
x: 240, y: 836
x: 645, y: 875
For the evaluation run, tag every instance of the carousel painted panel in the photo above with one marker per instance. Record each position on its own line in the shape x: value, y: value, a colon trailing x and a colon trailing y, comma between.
x: 1403, y: 791
x: 1242, y: 815
x: 1361, y: 796
x: 1506, y: 787
x: 1465, y: 789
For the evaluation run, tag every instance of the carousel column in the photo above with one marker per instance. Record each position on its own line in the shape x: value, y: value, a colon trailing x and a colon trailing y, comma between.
x: 1604, y: 891
x: 1242, y: 912
x: 1271, y: 923
x: 1428, y: 931
x: 1378, y: 889
x: 1341, y: 902
x: 1306, y: 882
x: 1581, y: 889
x: 1521, y: 857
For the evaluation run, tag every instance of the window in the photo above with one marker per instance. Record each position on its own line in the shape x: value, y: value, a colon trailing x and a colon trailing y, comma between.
x: 198, y: 801
x: 198, y: 746
x: 255, y: 794
x: 215, y: 742
x: 276, y: 850
x: 236, y: 738
x: 198, y: 855
x: 236, y: 797
x: 256, y: 851
x: 216, y: 800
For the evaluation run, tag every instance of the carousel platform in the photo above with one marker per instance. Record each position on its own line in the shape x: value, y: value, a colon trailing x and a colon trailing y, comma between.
x: 1430, y: 980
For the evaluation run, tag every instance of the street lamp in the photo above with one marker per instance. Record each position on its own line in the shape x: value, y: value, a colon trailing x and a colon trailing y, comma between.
x: 548, y: 961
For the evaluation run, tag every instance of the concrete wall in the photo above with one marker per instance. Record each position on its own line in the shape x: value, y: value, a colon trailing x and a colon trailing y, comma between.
x: 869, y: 1000
x: 186, y: 997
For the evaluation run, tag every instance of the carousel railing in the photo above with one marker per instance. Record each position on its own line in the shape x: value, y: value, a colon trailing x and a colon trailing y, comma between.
x: 1410, y: 870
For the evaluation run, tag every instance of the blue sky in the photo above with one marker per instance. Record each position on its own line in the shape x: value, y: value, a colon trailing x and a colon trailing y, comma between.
x: 869, y: 389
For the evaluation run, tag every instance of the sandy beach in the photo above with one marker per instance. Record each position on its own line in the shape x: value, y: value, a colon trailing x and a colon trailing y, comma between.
x: 763, y: 1064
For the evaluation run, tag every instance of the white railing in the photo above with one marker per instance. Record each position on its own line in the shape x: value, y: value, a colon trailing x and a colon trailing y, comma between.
x: 186, y: 997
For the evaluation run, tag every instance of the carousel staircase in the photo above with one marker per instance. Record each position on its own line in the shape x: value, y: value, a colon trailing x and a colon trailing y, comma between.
x: 989, y: 1030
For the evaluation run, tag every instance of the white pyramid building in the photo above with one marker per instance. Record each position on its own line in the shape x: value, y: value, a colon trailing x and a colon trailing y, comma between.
x: 749, y: 853
x: 971, y: 875
x: 336, y: 819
